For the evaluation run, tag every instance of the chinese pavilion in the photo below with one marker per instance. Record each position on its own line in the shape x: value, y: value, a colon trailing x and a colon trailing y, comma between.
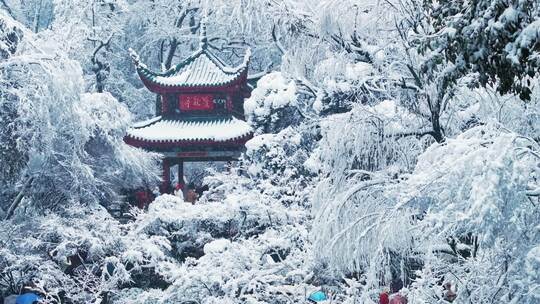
x: 202, y: 113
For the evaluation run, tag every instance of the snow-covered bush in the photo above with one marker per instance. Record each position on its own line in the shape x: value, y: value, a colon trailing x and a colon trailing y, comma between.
x: 278, y: 162
x: 78, y: 254
x: 114, y: 163
x: 272, y: 105
x: 235, y: 243
x: 257, y: 270
x: 346, y: 83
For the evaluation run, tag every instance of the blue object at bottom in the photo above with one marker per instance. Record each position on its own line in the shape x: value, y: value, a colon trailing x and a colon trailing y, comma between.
x: 318, y: 296
x: 27, y: 298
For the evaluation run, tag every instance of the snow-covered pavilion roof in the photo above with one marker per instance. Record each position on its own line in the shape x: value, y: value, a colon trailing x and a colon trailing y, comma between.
x: 189, y: 131
x: 202, y: 69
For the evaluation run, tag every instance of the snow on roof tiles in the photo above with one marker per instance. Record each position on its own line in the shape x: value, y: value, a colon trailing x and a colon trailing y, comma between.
x: 202, y: 69
x: 175, y: 130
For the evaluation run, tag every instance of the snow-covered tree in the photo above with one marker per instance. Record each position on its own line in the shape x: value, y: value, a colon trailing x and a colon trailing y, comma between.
x: 499, y: 40
x: 478, y: 215
x: 66, y: 145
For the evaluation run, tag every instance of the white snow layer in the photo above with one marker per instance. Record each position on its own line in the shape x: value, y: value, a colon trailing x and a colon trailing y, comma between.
x: 216, y: 246
x: 273, y: 91
x: 201, y: 71
x: 174, y: 130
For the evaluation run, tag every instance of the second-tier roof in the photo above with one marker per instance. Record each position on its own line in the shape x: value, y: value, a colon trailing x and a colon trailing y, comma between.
x: 192, y: 131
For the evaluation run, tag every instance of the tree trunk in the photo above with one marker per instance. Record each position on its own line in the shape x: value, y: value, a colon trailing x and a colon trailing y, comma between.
x: 170, y: 54
x: 436, y: 125
x: 37, y: 16
x: 99, y: 76
x: 18, y: 199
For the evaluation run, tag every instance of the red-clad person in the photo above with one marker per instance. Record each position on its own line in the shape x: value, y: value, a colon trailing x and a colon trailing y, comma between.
x: 449, y: 292
x: 141, y: 198
x: 398, y: 299
x: 384, y: 298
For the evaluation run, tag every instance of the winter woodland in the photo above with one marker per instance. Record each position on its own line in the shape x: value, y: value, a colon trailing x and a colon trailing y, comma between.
x: 397, y: 146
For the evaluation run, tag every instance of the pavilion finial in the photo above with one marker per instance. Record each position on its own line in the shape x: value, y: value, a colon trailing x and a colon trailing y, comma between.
x: 203, y: 38
x: 247, y: 58
x: 134, y: 56
x: 136, y: 59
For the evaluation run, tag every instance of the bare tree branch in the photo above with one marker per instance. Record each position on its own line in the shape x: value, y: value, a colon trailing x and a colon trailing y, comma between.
x: 19, y: 198
x: 276, y: 38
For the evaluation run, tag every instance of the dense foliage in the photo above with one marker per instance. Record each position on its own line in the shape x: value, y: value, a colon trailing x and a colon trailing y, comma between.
x: 397, y: 144
x: 499, y: 40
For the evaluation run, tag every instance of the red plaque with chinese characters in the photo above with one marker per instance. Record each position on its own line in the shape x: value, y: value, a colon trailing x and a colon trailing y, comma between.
x: 197, y: 102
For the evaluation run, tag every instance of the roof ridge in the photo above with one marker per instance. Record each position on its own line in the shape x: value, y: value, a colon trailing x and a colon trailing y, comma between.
x: 173, y: 70
x: 202, y: 68
x: 214, y: 58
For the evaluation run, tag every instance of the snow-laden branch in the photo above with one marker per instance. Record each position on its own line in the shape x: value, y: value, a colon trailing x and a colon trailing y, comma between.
x: 257, y: 76
x: 102, y: 43
x: 277, y: 40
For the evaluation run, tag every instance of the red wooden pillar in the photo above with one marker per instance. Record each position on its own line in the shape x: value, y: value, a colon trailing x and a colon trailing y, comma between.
x: 181, y: 174
x: 166, y: 178
x: 164, y: 104
x: 229, y: 104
